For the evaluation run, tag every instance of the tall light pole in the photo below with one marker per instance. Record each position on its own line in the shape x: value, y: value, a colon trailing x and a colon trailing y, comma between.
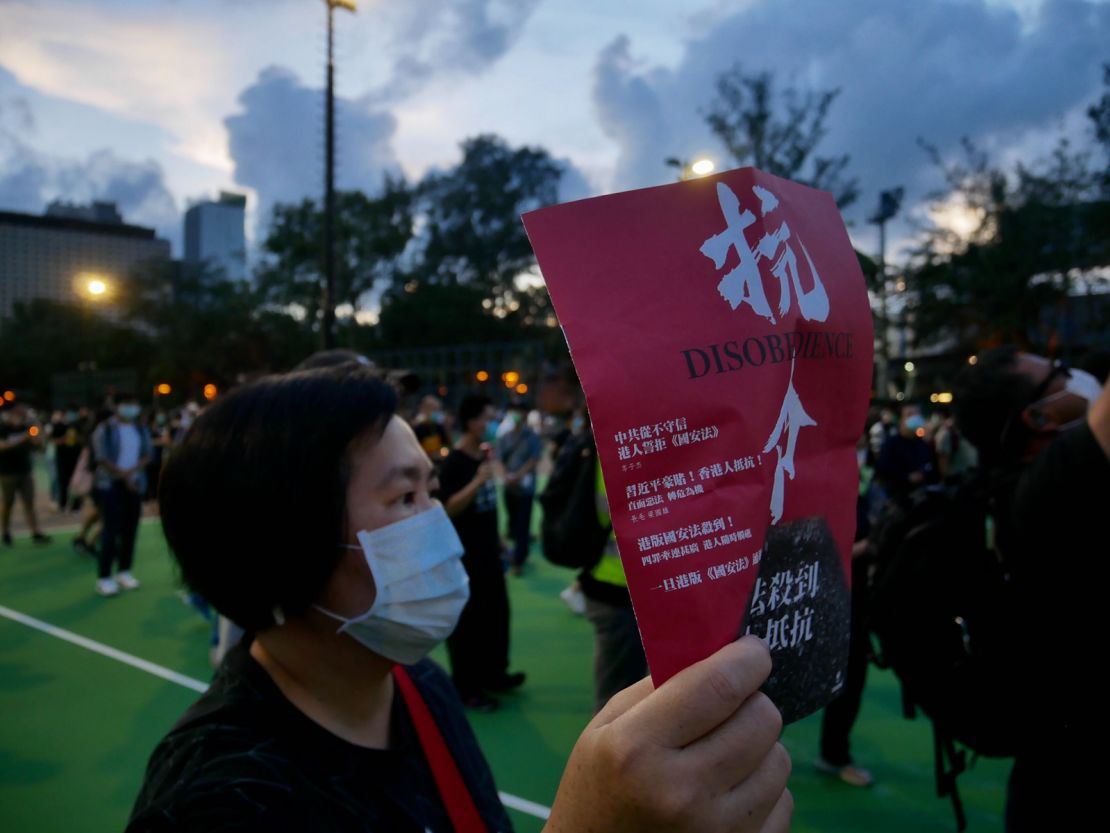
x: 889, y: 203
x: 327, y: 326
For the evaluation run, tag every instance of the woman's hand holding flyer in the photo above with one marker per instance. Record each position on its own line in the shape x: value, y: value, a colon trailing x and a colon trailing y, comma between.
x: 722, y: 333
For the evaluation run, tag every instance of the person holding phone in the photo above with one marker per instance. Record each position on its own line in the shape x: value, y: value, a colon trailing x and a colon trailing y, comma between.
x: 479, y: 646
x: 18, y: 440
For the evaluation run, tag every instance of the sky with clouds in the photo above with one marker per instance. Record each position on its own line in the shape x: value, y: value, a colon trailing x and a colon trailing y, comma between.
x: 153, y: 103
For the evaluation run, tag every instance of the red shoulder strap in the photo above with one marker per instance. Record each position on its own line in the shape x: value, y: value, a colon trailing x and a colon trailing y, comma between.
x: 452, y: 789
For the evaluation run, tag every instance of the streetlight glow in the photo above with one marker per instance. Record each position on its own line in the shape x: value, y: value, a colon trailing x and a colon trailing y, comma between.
x: 94, y: 286
x: 210, y: 391
x: 481, y: 376
x: 702, y: 167
x: 164, y: 389
x: 522, y: 389
x: 909, y: 367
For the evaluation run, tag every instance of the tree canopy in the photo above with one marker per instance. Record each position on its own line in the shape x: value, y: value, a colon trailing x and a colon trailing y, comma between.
x: 778, y: 130
x: 1037, y: 233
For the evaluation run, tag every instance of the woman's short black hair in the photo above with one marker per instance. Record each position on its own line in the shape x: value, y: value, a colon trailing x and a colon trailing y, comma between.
x: 253, y: 501
x: 338, y: 357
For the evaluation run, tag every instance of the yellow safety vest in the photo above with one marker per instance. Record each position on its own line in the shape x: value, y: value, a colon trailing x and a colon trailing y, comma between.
x: 609, y: 569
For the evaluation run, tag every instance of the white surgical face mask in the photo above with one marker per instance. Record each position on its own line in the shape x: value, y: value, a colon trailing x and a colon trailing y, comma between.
x: 1079, y: 383
x: 421, y: 587
x: 1084, y: 385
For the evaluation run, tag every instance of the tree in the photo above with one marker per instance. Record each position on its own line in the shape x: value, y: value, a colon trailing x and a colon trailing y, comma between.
x: 460, y: 279
x: 472, y: 231
x: 43, y: 337
x: 446, y: 254
x: 1099, y: 114
x: 370, y: 235
x: 779, y: 131
x: 204, y: 328
x: 1038, y: 231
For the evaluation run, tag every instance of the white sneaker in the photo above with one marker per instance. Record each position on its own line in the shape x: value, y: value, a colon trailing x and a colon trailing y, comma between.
x: 574, y: 599
x: 851, y: 774
x: 127, y: 581
x: 107, y: 587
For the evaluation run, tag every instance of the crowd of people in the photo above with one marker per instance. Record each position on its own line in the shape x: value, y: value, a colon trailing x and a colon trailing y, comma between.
x: 102, y: 465
x: 1028, y: 440
x: 327, y: 716
x: 400, y: 544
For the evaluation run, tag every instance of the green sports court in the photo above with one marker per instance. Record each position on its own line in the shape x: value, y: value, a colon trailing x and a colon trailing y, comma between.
x: 83, y: 705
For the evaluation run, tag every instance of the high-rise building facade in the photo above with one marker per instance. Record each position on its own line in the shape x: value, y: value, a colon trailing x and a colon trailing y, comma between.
x: 215, y: 234
x: 65, y: 258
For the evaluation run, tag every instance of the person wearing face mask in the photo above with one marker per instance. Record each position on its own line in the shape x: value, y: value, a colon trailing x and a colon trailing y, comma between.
x: 328, y: 717
x: 906, y: 461
x: 430, y: 431
x: 479, y: 647
x: 1043, y: 435
x: 122, y: 449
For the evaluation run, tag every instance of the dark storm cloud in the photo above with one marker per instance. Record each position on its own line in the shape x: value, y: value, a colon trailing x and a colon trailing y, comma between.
x: 936, y: 69
x: 276, y: 141
x: 30, y: 179
x: 432, y: 38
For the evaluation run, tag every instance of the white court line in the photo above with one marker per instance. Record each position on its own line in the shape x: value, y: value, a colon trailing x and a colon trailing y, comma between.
x: 103, y: 650
x: 517, y: 803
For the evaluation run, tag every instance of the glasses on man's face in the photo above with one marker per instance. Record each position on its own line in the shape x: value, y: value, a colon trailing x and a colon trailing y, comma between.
x: 1058, y: 369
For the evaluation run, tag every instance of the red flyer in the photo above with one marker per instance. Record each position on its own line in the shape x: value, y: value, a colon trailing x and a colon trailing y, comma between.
x: 722, y: 333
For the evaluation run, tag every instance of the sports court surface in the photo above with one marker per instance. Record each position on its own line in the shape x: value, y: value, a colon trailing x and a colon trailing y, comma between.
x: 77, y: 721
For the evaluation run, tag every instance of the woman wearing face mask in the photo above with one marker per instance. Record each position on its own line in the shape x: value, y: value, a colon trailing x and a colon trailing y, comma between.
x: 301, y: 507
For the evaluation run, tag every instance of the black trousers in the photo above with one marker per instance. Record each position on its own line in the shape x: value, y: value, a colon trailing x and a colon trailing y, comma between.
x: 479, y: 647
x: 840, y: 715
x: 120, y: 509
x: 65, y: 462
x: 1053, y: 785
x: 519, y: 505
x: 619, y: 659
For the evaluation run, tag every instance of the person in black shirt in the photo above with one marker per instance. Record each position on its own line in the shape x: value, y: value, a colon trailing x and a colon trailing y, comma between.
x: 906, y: 461
x: 65, y: 436
x: 1043, y: 436
x: 17, y: 440
x: 479, y: 647
x: 345, y: 572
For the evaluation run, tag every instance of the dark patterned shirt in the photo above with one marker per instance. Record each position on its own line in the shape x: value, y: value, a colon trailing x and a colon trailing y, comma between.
x: 244, y: 758
x: 477, y: 524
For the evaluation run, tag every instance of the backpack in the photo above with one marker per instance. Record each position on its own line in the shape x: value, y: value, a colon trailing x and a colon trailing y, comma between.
x: 571, y: 533
x: 944, y: 612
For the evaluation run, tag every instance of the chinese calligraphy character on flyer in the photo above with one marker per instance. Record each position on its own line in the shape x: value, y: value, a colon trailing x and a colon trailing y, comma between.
x: 722, y: 333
